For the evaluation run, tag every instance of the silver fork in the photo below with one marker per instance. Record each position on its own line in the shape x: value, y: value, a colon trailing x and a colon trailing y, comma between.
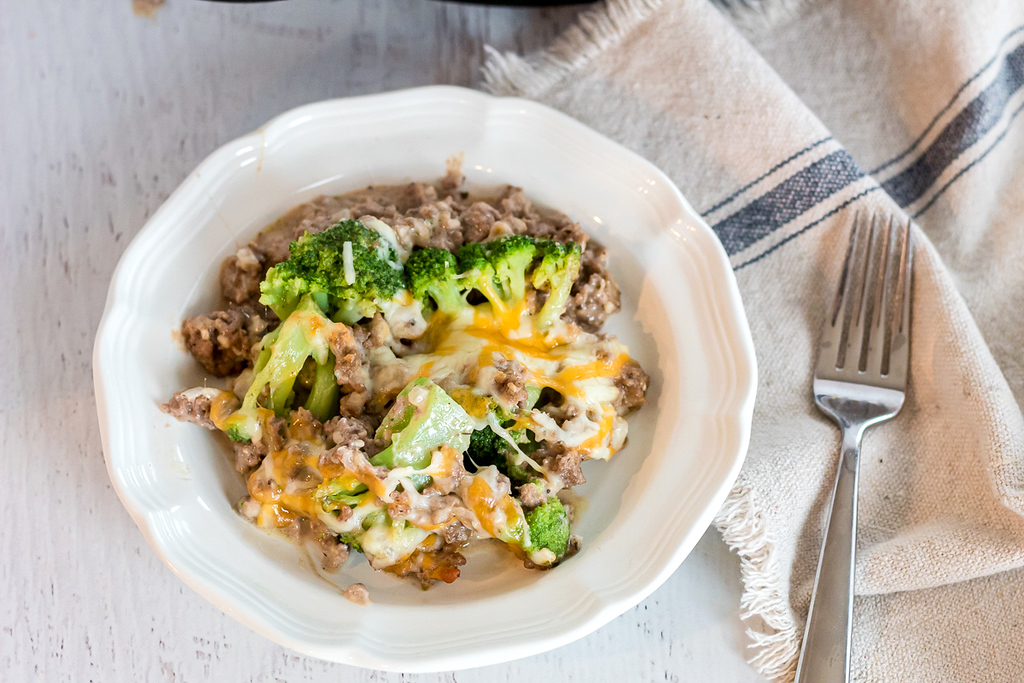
x: 859, y: 381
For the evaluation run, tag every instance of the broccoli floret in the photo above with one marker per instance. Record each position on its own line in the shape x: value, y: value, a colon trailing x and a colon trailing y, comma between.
x: 549, y: 527
x: 352, y: 541
x: 434, y: 273
x: 339, y: 492
x: 478, y: 272
x: 511, y: 258
x: 500, y: 270
x: 348, y: 269
x: 283, y: 354
x: 558, y: 269
x: 487, y: 448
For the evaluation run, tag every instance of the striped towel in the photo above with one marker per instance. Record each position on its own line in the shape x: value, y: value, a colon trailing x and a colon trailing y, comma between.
x: 778, y: 126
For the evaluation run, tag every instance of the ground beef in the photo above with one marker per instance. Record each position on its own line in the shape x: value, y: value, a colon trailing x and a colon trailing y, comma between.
x: 632, y: 383
x: 510, y: 383
x: 594, y: 296
x: 513, y: 201
x: 372, y: 335
x: 434, y: 225
x: 563, y: 461
x: 477, y: 221
x: 429, y: 566
x: 456, y: 534
x: 531, y: 496
x: 333, y: 551
x: 271, y: 246
x: 240, y: 276
x: 348, y: 358
x: 446, y: 238
x: 355, y: 460
x: 192, y: 406
x: 377, y: 207
x: 418, y: 194
x: 591, y: 303
x: 353, y: 404
x: 357, y: 593
x: 222, y: 341
x: 556, y: 226
x: 305, y: 426
x: 399, y: 507
x: 348, y: 436
x: 345, y: 430
x: 249, y: 455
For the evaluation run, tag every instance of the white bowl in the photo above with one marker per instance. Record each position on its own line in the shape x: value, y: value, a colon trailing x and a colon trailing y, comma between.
x: 646, y: 508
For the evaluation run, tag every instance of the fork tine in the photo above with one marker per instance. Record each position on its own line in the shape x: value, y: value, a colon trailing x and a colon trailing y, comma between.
x: 886, y: 286
x: 853, y: 337
x: 874, y: 274
x: 833, y: 342
x: 896, y: 361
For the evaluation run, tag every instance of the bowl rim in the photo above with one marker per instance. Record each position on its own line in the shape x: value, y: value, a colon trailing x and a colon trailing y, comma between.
x: 739, y: 408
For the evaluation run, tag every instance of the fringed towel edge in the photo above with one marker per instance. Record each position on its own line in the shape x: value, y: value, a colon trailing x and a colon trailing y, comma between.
x: 764, y: 607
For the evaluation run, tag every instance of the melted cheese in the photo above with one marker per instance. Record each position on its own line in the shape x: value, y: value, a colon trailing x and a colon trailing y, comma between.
x: 497, y: 512
x: 579, y: 366
x: 221, y: 408
x: 603, y: 434
x: 279, y: 508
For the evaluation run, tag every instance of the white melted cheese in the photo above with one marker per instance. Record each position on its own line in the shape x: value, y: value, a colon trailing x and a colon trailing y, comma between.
x: 388, y: 544
x: 404, y: 315
x: 349, y: 267
x: 388, y: 233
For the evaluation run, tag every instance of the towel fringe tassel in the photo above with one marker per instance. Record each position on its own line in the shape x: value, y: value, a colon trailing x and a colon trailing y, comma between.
x: 764, y: 605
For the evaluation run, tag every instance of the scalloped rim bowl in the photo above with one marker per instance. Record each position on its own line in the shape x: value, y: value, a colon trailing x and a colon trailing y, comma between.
x: 645, y: 509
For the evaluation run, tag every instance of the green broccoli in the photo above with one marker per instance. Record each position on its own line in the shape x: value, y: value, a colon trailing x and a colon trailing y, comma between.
x: 282, y: 357
x: 511, y: 258
x: 339, y: 492
x: 348, y: 270
x: 352, y: 541
x: 498, y: 269
x: 501, y: 269
x: 325, y: 392
x: 478, y: 272
x: 549, y: 527
x: 422, y: 418
x: 487, y: 448
x: 434, y: 274
x: 558, y: 269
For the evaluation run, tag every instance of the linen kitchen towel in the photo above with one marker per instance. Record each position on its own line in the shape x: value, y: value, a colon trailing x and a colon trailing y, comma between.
x: 778, y: 126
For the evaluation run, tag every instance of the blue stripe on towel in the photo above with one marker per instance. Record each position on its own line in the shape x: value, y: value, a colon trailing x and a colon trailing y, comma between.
x: 818, y: 181
x: 787, y: 201
x: 931, y: 124
x: 975, y: 120
x: 764, y: 175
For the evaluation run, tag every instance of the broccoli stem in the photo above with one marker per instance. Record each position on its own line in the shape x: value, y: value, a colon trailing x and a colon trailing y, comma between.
x: 281, y: 358
x: 323, y: 397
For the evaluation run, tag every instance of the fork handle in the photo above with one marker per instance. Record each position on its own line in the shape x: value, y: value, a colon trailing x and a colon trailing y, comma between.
x: 825, y: 655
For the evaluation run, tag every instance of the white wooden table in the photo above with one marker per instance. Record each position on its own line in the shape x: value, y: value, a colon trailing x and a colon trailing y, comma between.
x: 102, y: 114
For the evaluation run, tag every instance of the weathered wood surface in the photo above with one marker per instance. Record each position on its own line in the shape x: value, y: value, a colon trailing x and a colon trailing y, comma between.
x: 102, y: 114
